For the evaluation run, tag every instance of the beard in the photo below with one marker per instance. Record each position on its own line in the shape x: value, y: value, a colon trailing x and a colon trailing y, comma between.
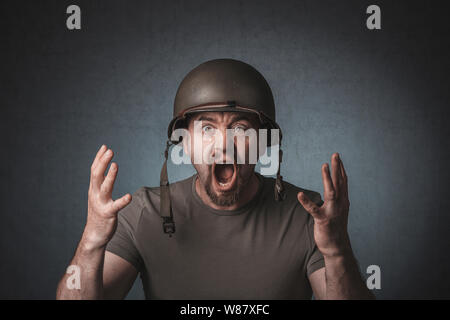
x: 229, y: 197
x: 224, y: 199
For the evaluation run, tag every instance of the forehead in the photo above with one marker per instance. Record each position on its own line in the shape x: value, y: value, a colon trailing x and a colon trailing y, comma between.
x: 226, y: 117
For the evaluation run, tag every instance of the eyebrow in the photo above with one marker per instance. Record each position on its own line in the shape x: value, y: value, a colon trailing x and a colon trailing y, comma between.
x: 239, y: 118
x: 204, y: 118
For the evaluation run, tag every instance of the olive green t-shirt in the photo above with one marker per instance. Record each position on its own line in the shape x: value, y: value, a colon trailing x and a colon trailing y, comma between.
x: 263, y: 250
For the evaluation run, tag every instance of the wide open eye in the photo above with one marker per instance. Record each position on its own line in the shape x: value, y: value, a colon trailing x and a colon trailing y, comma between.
x: 239, y: 130
x: 208, y: 130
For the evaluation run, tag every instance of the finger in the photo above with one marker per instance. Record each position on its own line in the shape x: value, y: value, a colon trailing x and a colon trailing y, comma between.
x: 108, y: 183
x: 121, y: 203
x: 336, y: 172
x: 328, y: 190
x: 344, y: 178
x: 99, y: 154
x: 309, y: 205
x: 98, y: 174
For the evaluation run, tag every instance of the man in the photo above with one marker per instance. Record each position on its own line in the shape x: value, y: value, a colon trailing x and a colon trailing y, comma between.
x: 238, y: 235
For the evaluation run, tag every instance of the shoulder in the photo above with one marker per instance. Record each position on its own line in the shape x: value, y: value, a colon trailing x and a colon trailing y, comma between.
x: 148, y: 198
x: 292, y: 213
x: 292, y: 190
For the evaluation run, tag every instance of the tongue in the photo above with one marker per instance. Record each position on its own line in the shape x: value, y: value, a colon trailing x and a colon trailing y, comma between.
x: 224, y: 172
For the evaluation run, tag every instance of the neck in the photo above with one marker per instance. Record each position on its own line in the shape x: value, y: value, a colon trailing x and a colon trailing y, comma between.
x: 247, y: 194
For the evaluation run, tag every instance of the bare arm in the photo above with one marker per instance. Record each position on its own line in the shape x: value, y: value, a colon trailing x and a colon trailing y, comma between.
x: 101, y: 274
x: 340, y: 279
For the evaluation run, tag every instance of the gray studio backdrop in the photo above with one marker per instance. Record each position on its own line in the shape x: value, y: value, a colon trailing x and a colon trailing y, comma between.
x: 379, y: 98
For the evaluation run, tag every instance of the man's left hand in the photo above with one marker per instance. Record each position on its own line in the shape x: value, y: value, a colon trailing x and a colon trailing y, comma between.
x: 330, y: 220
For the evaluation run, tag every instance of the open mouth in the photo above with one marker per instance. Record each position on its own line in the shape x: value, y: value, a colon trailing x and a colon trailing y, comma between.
x: 225, y: 175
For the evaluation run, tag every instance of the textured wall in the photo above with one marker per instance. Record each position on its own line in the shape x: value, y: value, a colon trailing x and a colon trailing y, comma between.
x: 380, y: 98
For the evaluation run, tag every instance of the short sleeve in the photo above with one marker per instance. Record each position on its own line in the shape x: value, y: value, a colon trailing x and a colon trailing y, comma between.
x: 123, y: 243
x: 315, y: 257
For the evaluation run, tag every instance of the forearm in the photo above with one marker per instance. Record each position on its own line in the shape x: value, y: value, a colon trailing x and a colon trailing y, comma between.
x: 343, y: 279
x: 89, y: 259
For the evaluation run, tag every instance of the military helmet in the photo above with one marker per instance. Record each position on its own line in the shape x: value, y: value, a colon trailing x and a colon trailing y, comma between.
x: 224, y: 85
x: 219, y: 85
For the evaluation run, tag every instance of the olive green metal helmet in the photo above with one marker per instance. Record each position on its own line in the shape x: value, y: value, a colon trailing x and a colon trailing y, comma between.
x: 224, y: 85
x: 219, y: 85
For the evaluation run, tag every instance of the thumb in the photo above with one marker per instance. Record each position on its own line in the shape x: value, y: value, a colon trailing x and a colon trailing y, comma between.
x: 309, y: 205
x: 121, y: 203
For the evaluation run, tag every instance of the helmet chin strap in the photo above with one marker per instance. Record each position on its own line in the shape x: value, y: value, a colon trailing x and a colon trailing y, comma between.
x: 165, y: 204
x: 280, y: 193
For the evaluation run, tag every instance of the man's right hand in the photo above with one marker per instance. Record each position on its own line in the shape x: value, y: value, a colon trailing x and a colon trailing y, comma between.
x: 102, y: 209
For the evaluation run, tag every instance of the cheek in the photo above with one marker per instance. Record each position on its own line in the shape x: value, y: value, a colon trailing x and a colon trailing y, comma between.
x: 248, y: 151
x: 203, y: 171
x: 202, y: 144
x: 245, y: 171
x: 193, y: 147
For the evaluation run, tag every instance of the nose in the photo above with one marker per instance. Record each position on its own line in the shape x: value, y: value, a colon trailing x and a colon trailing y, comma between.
x: 223, y: 147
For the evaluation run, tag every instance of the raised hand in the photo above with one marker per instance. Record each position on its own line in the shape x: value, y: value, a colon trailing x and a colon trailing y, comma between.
x: 330, y: 220
x: 102, y: 209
